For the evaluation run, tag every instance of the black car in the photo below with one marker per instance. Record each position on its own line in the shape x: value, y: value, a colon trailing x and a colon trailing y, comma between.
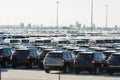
x: 5, y: 56
x: 58, y: 60
x: 108, y: 52
x: 25, y: 57
x: 113, y: 63
x: 89, y: 61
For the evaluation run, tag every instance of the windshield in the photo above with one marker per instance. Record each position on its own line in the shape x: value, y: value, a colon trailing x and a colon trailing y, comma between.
x: 55, y: 55
x: 25, y: 41
x: 14, y: 41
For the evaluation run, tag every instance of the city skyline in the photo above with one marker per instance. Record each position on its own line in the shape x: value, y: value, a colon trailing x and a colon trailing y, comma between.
x: 70, y: 11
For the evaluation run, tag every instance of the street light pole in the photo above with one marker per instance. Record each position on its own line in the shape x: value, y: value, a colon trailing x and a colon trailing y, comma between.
x: 57, y: 15
x: 106, y: 16
x: 91, y: 15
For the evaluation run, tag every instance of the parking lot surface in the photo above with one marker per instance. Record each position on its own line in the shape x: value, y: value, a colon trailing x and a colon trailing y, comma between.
x: 37, y: 74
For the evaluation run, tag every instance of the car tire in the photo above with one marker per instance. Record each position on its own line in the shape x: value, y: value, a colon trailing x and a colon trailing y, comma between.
x: 14, y: 66
x: 47, y: 70
x: 97, y: 70
x: 5, y: 64
x: 32, y: 65
x: 77, y: 71
x: 40, y: 66
x: 110, y: 72
x: 66, y: 69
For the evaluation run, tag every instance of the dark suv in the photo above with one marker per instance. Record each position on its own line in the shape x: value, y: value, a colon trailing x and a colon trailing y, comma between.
x: 58, y: 60
x: 90, y: 61
x: 25, y: 57
x: 113, y: 63
x: 5, y: 56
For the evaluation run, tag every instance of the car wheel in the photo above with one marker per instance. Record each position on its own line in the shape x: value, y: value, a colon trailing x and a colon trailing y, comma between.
x: 6, y: 64
x: 90, y: 72
x: 66, y: 69
x: 97, y: 70
x: 47, y: 70
x: 14, y: 66
x: 110, y: 72
x: 40, y: 66
x: 32, y: 65
x: 77, y: 71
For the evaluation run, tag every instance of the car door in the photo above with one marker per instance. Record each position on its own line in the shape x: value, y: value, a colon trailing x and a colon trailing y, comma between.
x: 70, y: 60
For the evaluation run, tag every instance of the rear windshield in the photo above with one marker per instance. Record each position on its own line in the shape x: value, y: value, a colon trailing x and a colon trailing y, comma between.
x: 6, y: 51
x: 85, y: 56
x: 47, y: 41
x: 14, y: 41
x: 25, y: 41
x: 43, y: 53
x: 55, y: 55
x: 64, y: 42
x: 107, y: 54
x: 116, y: 57
x: 38, y: 41
x: 21, y: 52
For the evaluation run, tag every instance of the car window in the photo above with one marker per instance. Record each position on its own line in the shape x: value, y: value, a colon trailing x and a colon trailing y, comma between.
x: 0, y: 50
x: 73, y: 55
x: 97, y: 56
x: 115, y: 59
x: 32, y: 52
x: 43, y: 53
x: 85, y: 56
x: 55, y: 55
x: 103, y: 56
x: 6, y: 51
x: 69, y: 55
x: 65, y: 55
x: 21, y: 53
x: 38, y: 52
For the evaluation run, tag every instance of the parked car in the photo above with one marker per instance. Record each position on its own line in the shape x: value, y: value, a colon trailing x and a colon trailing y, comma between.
x: 113, y: 63
x: 58, y: 60
x: 109, y: 52
x: 5, y: 56
x: 89, y: 61
x: 42, y: 56
x: 25, y: 57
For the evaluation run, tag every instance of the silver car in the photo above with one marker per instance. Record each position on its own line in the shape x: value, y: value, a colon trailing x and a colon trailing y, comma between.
x: 58, y: 60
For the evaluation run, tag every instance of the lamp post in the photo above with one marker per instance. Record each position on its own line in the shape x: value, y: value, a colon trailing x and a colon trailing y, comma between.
x: 106, y: 16
x: 91, y: 15
x: 57, y: 15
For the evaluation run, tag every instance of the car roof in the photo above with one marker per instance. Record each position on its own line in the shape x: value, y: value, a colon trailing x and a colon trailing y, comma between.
x: 116, y: 53
x: 22, y: 48
x: 1, y: 47
x: 49, y: 49
x: 56, y: 52
x: 110, y: 51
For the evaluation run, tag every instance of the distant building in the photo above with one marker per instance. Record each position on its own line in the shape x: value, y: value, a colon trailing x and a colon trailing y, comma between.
x: 72, y: 26
x: 22, y: 25
x: 78, y: 25
x: 29, y: 25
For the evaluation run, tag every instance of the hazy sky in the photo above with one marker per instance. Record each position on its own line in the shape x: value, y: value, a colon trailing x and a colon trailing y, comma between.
x: 70, y: 11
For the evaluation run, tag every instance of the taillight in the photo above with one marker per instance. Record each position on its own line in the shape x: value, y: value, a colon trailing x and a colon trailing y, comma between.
x: 62, y: 60
x: 93, y: 61
x: 38, y: 57
x: 74, y: 60
x: 44, y: 59
x: 108, y: 61
x: 1, y: 56
x: 28, y: 57
x: 11, y: 57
